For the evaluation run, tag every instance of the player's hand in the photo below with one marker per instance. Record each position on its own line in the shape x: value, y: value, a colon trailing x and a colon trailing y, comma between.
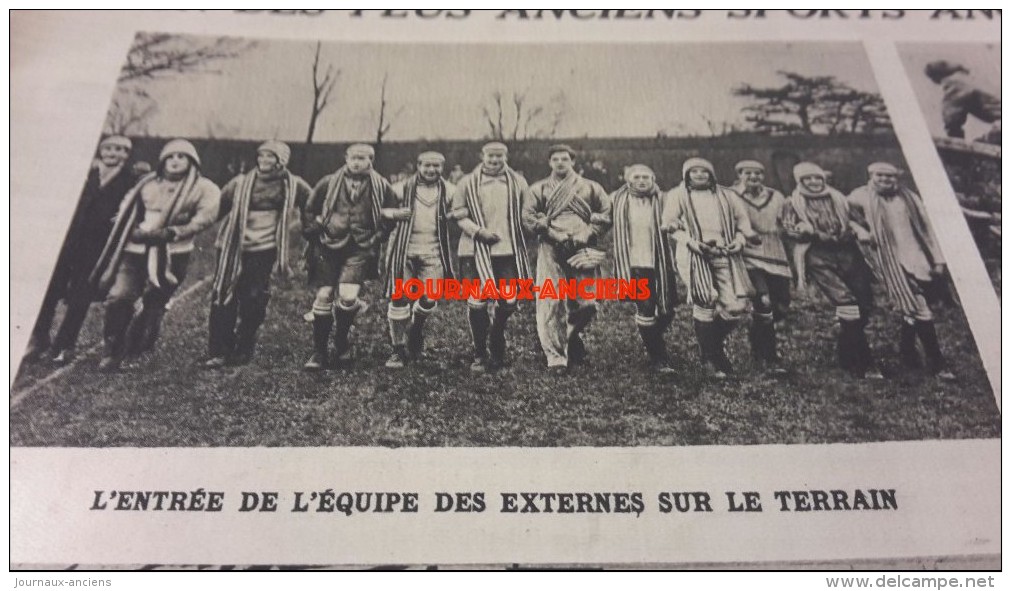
x: 161, y: 236
x: 696, y: 247
x: 486, y: 236
x: 311, y: 229
x: 735, y: 247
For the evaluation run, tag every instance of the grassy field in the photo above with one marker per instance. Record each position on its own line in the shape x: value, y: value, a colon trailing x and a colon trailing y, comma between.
x: 166, y: 399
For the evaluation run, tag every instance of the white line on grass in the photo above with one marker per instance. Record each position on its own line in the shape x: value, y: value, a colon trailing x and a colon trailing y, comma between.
x: 20, y: 396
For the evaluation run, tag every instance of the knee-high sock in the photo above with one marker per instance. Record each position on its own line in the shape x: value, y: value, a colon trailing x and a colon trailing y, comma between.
x: 496, y: 334
x: 579, y: 319
x: 252, y: 313
x: 221, y: 324
x: 322, y: 324
x: 763, y: 337
x: 117, y: 320
x: 907, y: 344
x: 344, y: 317
x: 399, y: 319
x: 928, y: 336
x: 479, y: 323
x: 416, y: 334
x: 652, y: 337
x: 73, y: 320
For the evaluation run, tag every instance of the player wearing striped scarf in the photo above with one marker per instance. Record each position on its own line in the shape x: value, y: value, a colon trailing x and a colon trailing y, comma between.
x: 419, y: 248
x: 817, y: 218
x: 252, y: 243
x: 568, y: 214
x: 711, y: 229
x: 643, y: 251
x: 345, y: 223
x: 891, y: 221
x: 149, y: 249
x: 487, y: 206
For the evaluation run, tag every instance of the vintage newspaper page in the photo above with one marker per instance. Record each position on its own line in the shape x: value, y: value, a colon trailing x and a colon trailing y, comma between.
x: 348, y: 288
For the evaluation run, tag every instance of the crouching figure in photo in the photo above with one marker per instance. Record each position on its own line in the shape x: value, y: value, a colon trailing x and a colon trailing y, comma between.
x: 252, y: 243
x: 419, y: 248
x: 711, y: 229
x: 891, y: 220
x: 817, y: 218
x: 643, y: 251
x: 149, y: 249
x: 488, y: 206
x: 568, y: 214
x: 345, y: 225
x: 766, y: 261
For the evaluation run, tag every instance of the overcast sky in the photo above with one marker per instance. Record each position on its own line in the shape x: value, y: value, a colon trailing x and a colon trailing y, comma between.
x: 982, y: 60
x: 611, y: 90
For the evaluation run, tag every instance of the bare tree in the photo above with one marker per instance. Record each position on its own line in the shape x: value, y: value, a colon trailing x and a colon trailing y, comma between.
x: 322, y: 85
x: 520, y: 116
x: 385, y: 119
x: 155, y: 55
x: 812, y: 104
x: 129, y: 114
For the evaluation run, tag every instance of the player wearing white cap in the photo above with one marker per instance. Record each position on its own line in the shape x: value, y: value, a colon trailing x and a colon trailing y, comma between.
x: 252, y: 243
x: 643, y: 252
x: 711, y: 229
x: 817, y: 218
x: 891, y: 221
x: 149, y: 249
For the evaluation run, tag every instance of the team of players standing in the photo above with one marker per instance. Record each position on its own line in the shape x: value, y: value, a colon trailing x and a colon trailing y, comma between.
x: 131, y: 239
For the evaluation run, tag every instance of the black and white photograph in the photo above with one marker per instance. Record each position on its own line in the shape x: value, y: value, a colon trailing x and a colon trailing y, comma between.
x: 958, y: 89
x: 238, y: 267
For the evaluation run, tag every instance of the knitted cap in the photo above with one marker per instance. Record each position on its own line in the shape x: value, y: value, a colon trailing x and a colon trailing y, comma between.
x: 361, y: 149
x: 179, y: 146
x: 698, y: 163
x: 495, y: 147
x: 638, y: 168
x: 277, y: 148
x: 431, y: 157
x: 117, y: 140
x: 743, y: 164
x: 882, y: 167
x: 807, y: 169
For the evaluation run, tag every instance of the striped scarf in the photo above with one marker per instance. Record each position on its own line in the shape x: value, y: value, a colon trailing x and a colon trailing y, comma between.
x: 482, y: 252
x: 337, y: 181
x: 694, y: 268
x: 563, y: 198
x: 131, y: 213
x: 662, y: 253
x: 396, y: 253
x: 798, y: 201
x: 884, y: 258
x: 229, y: 265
